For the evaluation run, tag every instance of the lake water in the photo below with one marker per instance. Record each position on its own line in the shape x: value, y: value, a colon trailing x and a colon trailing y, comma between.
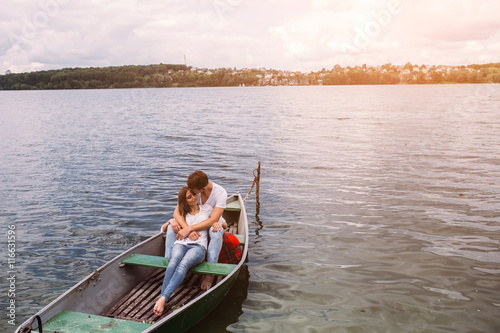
x: 379, y: 205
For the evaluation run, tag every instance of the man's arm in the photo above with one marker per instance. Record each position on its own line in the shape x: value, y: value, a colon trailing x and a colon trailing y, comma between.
x: 180, y: 221
x: 214, y: 217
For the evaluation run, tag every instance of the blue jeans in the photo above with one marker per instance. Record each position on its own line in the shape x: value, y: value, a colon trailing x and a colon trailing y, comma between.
x: 214, y: 244
x: 184, y: 257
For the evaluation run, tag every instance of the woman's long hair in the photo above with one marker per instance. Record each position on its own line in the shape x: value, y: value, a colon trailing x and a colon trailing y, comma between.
x: 182, y: 202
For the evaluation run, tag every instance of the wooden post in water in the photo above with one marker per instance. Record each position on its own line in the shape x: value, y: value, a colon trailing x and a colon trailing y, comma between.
x: 257, y: 185
x: 257, y: 198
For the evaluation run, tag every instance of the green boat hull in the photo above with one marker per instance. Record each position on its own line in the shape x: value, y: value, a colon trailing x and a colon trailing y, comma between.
x: 198, y: 310
x: 85, y: 306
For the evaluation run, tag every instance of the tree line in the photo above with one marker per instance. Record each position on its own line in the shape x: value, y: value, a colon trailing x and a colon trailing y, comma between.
x: 172, y: 75
x: 149, y: 76
x: 411, y: 74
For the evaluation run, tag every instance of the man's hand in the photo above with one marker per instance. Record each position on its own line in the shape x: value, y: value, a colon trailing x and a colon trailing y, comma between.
x: 216, y: 226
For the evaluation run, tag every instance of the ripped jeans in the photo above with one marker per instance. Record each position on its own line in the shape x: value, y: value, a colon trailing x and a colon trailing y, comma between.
x: 184, y: 257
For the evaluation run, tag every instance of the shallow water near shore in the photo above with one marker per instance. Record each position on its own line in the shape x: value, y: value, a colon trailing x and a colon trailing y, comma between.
x: 379, y: 205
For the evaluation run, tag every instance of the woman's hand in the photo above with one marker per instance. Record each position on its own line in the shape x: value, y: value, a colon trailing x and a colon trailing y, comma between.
x: 183, y: 233
x: 194, y: 235
x: 175, y: 225
x: 216, y: 226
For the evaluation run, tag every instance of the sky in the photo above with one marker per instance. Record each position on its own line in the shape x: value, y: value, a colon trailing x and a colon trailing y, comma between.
x: 305, y: 35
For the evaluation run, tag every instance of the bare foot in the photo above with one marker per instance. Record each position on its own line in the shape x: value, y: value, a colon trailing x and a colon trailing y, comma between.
x: 159, y: 306
x: 206, y: 282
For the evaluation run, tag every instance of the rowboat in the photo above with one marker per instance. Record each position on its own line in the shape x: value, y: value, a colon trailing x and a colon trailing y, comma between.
x: 120, y: 295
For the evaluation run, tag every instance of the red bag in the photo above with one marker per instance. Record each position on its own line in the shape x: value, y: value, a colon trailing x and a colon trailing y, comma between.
x: 230, y: 253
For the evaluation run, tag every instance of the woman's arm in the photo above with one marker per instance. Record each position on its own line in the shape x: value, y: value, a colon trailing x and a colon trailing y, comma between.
x: 181, y: 228
x: 165, y: 226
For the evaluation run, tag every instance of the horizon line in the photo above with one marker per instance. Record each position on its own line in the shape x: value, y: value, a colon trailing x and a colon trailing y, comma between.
x: 257, y: 68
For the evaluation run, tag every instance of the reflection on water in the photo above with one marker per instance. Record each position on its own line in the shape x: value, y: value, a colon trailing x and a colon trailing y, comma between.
x: 229, y: 309
x: 379, y: 205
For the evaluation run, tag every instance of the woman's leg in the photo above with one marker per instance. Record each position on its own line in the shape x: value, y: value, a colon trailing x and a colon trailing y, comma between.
x: 194, y: 255
x: 178, y: 251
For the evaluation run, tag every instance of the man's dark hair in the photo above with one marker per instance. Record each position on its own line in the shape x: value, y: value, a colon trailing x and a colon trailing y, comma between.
x: 197, y: 180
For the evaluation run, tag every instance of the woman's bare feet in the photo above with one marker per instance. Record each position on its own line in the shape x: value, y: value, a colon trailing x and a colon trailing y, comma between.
x: 206, y: 282
x: 159, y: 306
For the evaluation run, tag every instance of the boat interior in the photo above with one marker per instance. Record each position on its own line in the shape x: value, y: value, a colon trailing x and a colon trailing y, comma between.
x: 138, y: 280
x: 138, y: 304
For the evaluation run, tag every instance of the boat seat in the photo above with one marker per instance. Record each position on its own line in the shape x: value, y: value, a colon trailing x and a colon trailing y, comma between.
x: 241, y: 238
x: 210, y: 268
x: 233, y: 206
x: 76, y: 322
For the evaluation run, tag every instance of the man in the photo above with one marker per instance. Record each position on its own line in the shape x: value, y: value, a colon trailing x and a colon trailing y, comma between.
x: 210, y: 194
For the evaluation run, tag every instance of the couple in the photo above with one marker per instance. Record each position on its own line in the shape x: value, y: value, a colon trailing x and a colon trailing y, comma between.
x: 198, y: 214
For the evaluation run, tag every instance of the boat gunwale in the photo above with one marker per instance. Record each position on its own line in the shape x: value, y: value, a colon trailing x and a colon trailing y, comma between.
x: 46, y: 310
x: 232, y: 275
x: 88, y: 279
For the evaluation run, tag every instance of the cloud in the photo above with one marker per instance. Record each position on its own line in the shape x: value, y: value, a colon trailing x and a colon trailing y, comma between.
x: 296, y: 35
x: 449, y: 20
x: 338, y: 32
x: 377, y: 32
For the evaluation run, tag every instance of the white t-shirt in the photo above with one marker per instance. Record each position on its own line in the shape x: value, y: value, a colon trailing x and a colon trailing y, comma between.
x: 202, y: 215
x: 217, y: 198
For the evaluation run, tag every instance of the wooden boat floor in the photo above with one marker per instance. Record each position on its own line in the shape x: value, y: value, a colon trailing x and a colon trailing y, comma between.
x: 138, y: 304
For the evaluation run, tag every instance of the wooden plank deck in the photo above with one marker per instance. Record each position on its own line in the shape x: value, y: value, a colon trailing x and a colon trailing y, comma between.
x: 138, y: 304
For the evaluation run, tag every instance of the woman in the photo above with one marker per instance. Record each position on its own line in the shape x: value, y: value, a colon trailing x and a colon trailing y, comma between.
x: 186, y: 253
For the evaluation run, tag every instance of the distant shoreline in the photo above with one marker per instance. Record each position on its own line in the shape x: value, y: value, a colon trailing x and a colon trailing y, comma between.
x: 174, y: 75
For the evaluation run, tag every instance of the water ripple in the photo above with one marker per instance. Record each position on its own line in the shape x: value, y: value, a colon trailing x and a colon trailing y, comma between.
x: 378, y: 204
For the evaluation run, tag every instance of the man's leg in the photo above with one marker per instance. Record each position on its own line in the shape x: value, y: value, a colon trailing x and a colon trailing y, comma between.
x: 169, y: 242
x: 214, y: 246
